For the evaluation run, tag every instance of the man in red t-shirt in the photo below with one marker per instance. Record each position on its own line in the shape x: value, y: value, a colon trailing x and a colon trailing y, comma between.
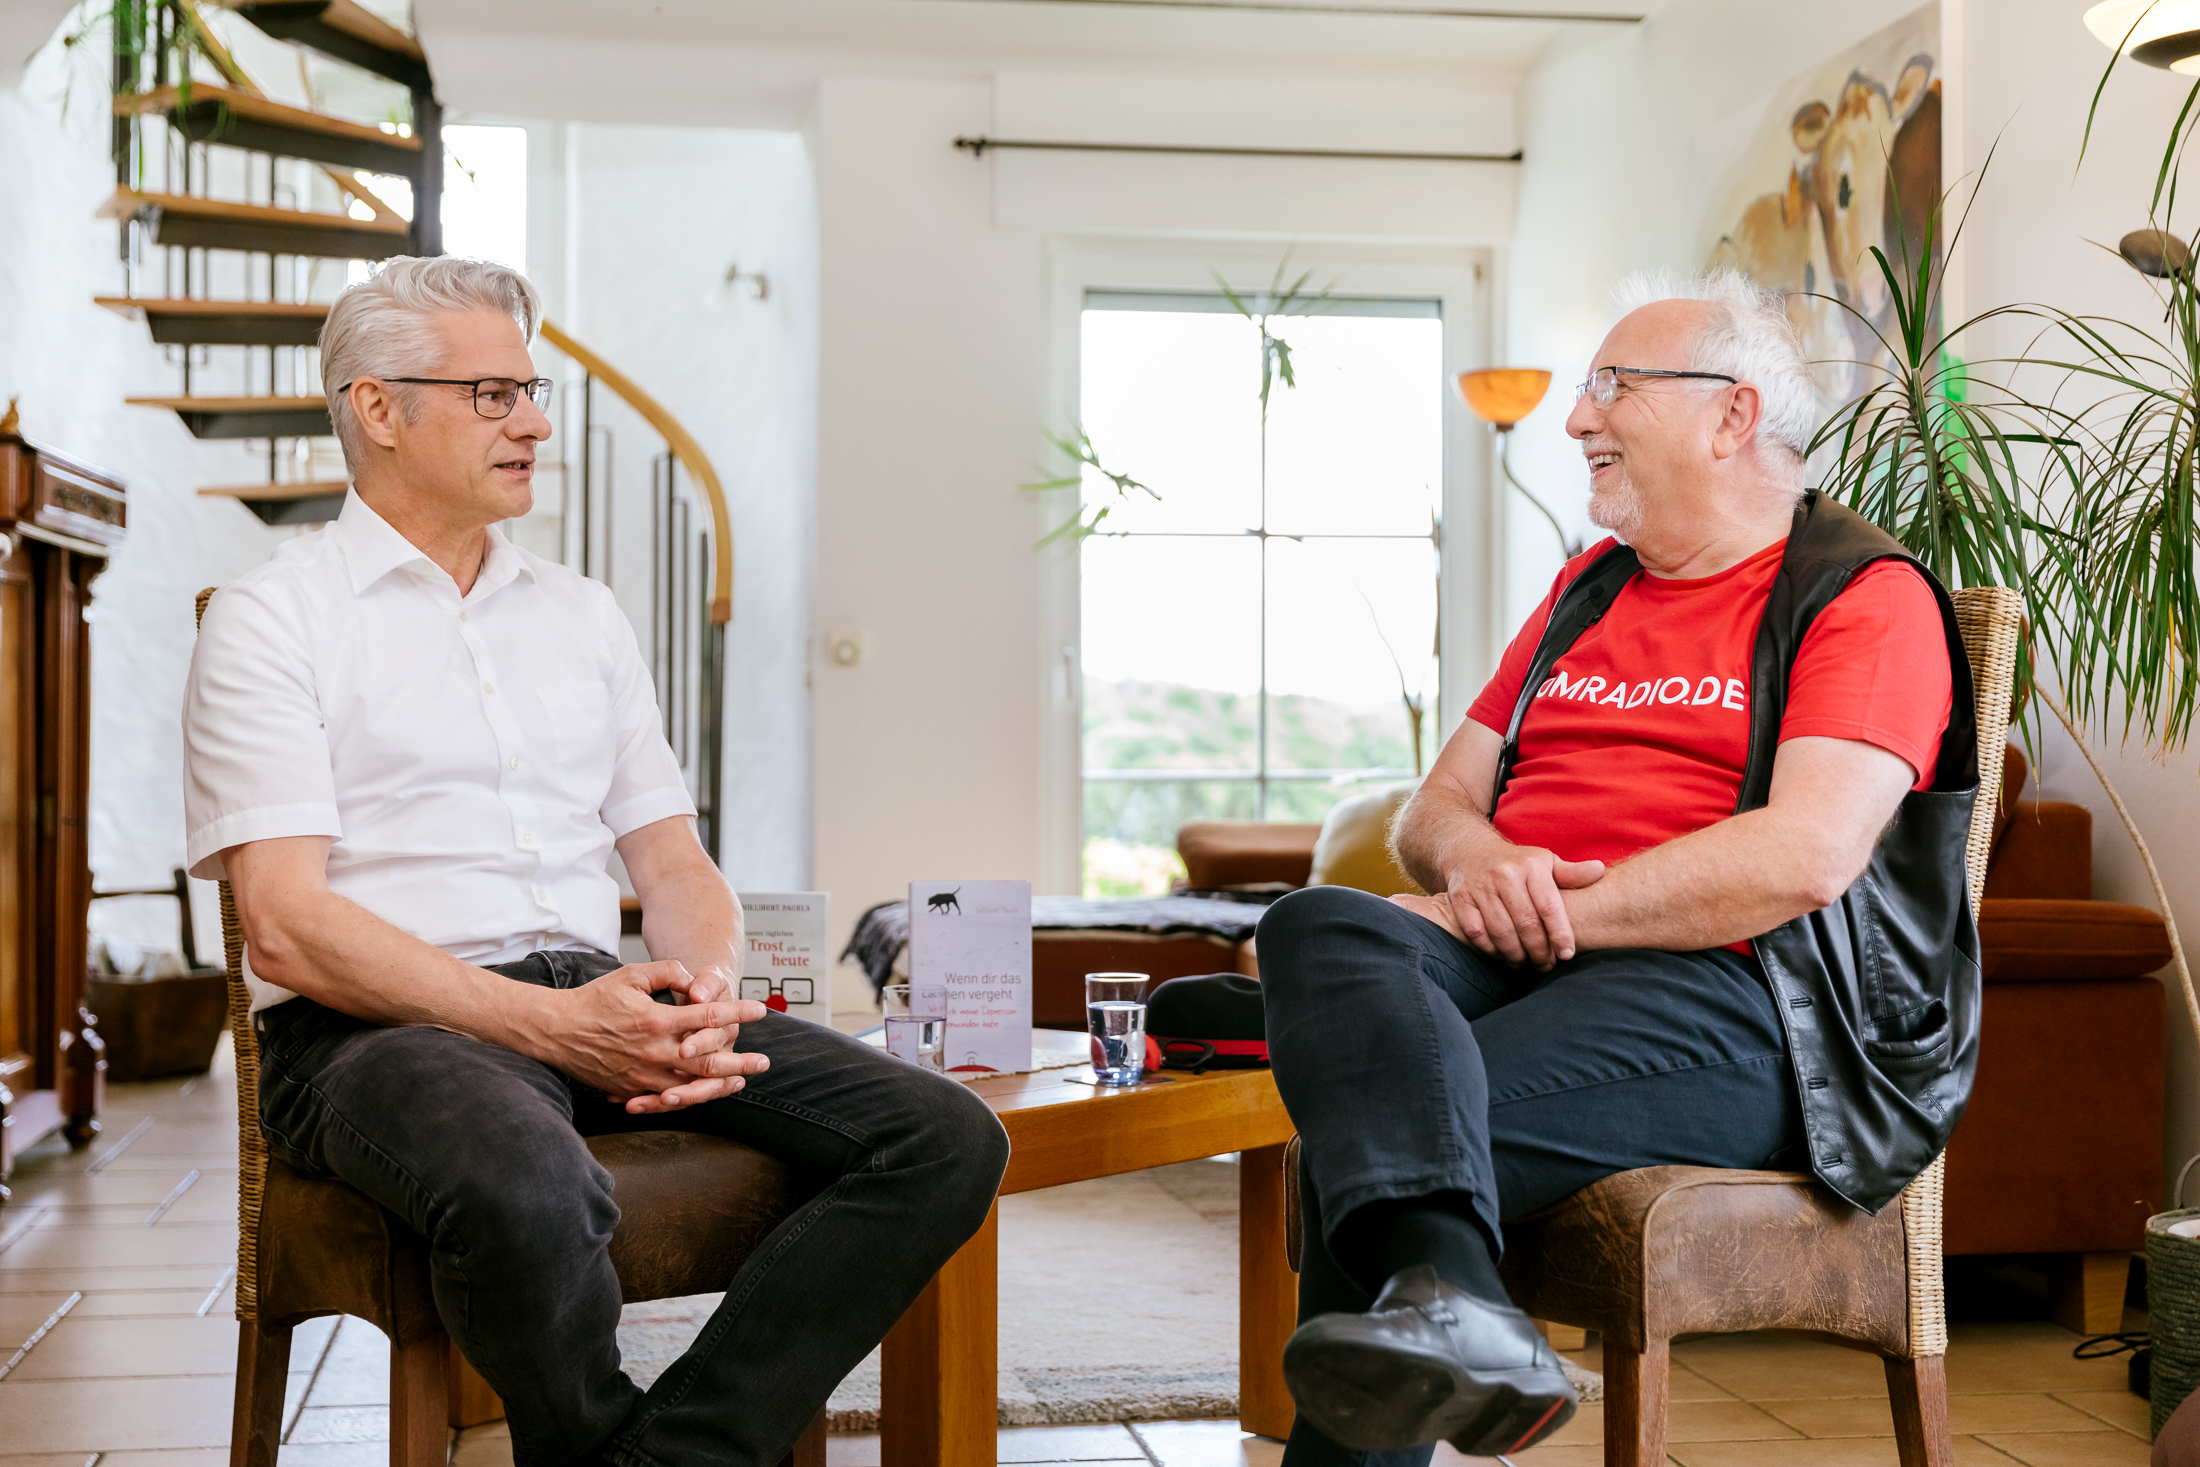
x: 1577, y: 995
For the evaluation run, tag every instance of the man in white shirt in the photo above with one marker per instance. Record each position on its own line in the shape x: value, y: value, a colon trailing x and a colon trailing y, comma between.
x: 412, y: 747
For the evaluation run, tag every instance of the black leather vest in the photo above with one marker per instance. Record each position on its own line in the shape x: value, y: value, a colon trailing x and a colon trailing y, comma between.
x: 1879, y: 992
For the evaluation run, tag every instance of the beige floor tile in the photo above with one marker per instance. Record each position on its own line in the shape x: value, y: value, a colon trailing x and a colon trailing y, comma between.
x: 858, y: 1449
x: 16, y: 1309
x: 184, y: 1457
x: 87, y: 1251
x: 1781, y: 1367
x: 1550, y: 1454
x: 480, y: 1446
x: 333, y: 1454
x: 1207, y: 1444
x: 1066, y: 1444
x: 50, y: 1459
x: 355, y: 1371
x: 1686, y: 1385
x: 1851, y: 1452
x: 1721, y: 1421
x: 61, y: 1281
x: 108, y: 1348
x: 91, y: 1416
x: 110, y: 1188
x: 2024, y: 1357
x: 1585, y: 1429
x: 2073, y: 1449
x: 341, y: 1424
x: 2120, y: 1409
x: 1836, y: 1416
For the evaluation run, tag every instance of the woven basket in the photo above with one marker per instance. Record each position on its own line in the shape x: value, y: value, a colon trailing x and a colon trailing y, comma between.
x: 2173, y: 1311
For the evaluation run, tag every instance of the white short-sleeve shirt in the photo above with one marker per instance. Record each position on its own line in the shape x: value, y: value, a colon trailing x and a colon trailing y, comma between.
x: 472, y: 759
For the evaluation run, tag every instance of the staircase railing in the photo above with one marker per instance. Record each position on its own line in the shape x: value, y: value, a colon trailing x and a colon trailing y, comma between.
x: 690, y: 583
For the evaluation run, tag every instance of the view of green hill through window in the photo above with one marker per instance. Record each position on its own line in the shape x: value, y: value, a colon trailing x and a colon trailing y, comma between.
x: 1130, y: 826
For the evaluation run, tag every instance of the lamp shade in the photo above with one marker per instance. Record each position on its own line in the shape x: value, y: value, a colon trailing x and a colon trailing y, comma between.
x: 2164, y: 33
x: 1502, y: 396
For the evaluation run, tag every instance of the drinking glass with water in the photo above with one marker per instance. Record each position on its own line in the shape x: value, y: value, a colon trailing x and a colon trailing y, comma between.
x: 915, y: 1029
x: 1115, y: 1017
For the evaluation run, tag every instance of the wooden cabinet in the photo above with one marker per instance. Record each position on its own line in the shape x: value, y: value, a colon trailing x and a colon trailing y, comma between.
x: 59, y: 521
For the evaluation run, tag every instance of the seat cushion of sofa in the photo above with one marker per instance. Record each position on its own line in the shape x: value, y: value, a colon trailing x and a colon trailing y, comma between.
x: 2040, y: 940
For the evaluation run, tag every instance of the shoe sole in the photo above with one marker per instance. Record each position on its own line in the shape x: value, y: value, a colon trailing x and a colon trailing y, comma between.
x: 1386, y: 1398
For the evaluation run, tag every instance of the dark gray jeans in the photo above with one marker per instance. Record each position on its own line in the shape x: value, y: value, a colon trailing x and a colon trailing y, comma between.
x: 1414, y: 1065
x: 482, y: 1151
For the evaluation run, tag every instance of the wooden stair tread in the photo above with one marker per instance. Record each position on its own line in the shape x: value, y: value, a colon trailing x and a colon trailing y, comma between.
x: 136, y: 308
x: 316, y: 490
x: 231, y: 404
x: 345, y: 30
x: 260, y: 109
x: 127, y: 202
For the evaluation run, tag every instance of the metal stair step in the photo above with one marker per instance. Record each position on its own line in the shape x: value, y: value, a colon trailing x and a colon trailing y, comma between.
x: 222, y: 323
x: 246, y: 417
x: 313, y: 503
x: 217, y: 224
x: 346, y: 31
x: 239, y: 119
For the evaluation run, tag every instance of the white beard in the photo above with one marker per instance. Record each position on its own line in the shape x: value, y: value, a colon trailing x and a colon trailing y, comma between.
x: 1618, y: 509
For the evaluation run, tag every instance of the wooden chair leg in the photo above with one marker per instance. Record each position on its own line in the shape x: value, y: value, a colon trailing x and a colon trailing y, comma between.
x: 809, y: 1448
x: 2085, y: 1291
x: 263, y: 1373
x: 1917, y: 1390
x: 1635, y: 1391
x: 420, y: 1411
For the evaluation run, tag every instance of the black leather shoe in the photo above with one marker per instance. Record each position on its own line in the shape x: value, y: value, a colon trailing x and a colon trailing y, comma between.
x: 1428, y: 1363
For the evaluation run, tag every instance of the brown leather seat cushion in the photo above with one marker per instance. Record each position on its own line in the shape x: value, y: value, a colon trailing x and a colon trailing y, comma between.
x: 2039, y: 940
x: 1668, y: 1250
x: 691, y: 1209
x: 1245, y: 852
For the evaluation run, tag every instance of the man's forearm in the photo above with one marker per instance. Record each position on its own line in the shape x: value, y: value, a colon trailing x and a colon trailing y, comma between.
x: 1723, y: 884
x: 1440, y: 832
x: 694, y: 919
x: 341, y: 955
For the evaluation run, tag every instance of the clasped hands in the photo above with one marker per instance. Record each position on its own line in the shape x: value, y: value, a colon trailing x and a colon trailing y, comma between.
x: 652, y: 1057
x: 1509, y: 905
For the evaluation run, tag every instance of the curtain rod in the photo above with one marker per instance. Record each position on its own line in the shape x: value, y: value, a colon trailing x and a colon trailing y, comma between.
x: 1283, y: 7
x: 978, y: 146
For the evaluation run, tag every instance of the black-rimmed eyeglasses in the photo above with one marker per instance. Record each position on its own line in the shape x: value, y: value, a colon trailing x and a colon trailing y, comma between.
x: 494, y: 397
x: 1603, y: 384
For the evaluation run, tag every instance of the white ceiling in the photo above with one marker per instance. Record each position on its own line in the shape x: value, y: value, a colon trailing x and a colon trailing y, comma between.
x: 774, y: 51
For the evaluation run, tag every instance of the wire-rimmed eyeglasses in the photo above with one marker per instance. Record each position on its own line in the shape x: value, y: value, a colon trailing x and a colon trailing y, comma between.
x: 1603, y: 384
x: 494, y: 397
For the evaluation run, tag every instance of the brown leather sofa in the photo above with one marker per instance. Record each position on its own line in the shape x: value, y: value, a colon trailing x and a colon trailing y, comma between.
x: 2060, y: 1153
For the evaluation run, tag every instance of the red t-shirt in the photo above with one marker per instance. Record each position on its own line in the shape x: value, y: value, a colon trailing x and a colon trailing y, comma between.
x: 1641, y: 733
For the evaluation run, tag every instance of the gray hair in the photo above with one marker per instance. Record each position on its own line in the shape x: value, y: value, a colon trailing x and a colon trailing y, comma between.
x: 384, y: 327
x: 1748, y: 337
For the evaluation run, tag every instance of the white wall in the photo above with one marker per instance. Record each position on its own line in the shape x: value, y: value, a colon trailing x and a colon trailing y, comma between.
x: 648, y: 219
x: 72, y: 363
x: 1601, y: 196
x: 936, y: 339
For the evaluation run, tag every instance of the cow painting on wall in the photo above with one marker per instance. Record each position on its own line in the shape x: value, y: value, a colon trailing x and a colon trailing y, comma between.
x: 1842, y: 159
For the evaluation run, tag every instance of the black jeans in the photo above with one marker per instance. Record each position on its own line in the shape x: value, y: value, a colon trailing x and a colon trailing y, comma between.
x: 1414, y: 1065
x: 482, y: 1151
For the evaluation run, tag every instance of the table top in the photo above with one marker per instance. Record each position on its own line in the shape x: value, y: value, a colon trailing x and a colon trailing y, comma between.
x: 1062, y: 1128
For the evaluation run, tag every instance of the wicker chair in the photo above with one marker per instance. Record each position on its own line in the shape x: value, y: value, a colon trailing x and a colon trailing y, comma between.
x: 1647, y: 1255
x: 691, y: 1209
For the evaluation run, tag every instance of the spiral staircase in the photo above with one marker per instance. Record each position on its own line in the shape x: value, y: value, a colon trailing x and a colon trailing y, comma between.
x: 241, y: 215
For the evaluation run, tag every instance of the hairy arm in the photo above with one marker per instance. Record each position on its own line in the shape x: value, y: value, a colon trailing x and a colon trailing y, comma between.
x: 609, y: 1033
x: 689, y: 915
x: 1728, y: 882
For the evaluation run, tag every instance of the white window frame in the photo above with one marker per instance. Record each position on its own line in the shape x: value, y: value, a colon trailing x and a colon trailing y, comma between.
x: 1471, y: 567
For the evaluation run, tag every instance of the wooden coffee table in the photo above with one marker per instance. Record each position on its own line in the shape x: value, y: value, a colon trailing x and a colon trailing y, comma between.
x: 938, y: 1403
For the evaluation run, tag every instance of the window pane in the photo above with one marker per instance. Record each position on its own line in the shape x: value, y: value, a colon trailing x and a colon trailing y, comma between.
x: 1346, y: 620
x: 1171, y: 636
x: 1130, y: 829
x: 1171, y: 398
x: 1357, y: 448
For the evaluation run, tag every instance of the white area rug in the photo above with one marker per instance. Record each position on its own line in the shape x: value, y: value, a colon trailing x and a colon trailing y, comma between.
x: 1118, y: 1303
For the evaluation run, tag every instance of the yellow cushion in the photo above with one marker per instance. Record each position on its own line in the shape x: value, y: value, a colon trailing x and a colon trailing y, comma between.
x: 1354, y: 846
